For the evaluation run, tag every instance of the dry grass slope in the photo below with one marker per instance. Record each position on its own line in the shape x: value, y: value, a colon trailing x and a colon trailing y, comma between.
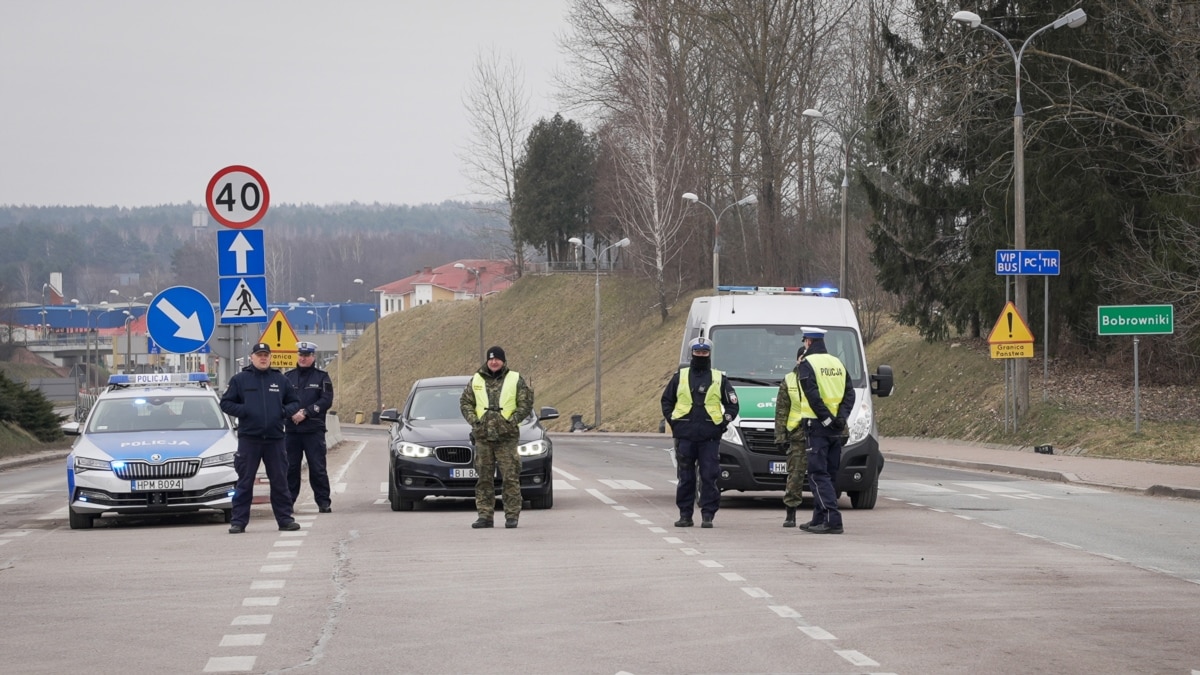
x: 950, y: 389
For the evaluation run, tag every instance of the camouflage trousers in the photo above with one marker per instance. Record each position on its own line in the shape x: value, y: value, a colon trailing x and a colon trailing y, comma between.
x: 489, y: 455
x: 797, y: 464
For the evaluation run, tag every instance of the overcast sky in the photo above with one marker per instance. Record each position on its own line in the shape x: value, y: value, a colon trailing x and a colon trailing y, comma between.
x: 139, y: 102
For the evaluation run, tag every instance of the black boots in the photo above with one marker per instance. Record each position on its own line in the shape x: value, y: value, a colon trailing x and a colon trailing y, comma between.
x: 790, y: 519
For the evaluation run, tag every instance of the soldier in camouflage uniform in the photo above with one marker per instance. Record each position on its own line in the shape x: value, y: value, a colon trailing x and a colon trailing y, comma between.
x: 494, y: 404
x: 791, y: 440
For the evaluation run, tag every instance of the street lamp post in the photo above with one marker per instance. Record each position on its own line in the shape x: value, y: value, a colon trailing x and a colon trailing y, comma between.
x: 129, y: 318
x: 1072, y: 19
x: 378, y: 380
x: 578, y: 243
x: 475, y: 272
x: 43, y: 313
x: 847, y: 142
x: 691, y: 197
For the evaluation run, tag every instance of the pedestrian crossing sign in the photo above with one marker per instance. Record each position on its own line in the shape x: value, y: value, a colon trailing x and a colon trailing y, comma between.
x: 243, y: 299
x: 282, y: 339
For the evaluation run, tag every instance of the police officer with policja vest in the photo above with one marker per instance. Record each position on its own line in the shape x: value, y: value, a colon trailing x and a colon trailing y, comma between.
x: 494, y: 403
x: 698, y: 403
x: 827, y: 397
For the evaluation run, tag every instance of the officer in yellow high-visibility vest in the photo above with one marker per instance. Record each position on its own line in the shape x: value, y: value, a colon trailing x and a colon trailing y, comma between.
x: 699, y: 403
x: 828, y: 398
x: 789, y: 438
x: 495, y: 403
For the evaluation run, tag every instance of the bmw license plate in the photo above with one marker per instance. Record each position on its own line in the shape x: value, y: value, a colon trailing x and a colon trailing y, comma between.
x: 157, y: 484
x: 778, y: 467
x: 463, y: 473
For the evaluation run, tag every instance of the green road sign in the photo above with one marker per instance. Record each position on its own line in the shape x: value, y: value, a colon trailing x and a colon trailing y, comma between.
x: 1135, y: 319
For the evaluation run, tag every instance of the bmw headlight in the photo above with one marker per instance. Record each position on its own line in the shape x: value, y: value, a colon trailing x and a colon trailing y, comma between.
x: 538, y: 447
x: 223, y: 459
x: 89, y: 464
x: 406, y: 449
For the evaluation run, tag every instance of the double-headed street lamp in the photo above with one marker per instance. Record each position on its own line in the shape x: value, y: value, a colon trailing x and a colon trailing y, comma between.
x: 691, y: 197
x: 578, y: 243
x: 847, y: 142
x: 475, y: 272
x: 129, y: 318
x: 378, y: 380
x: 1072, y: 19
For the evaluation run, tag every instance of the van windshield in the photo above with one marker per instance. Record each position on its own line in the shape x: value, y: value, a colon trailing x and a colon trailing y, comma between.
x: 769, y: 352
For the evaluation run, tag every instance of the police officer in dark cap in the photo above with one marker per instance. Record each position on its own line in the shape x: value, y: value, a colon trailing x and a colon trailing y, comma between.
x: 306, y: 428
x: 261, y: 398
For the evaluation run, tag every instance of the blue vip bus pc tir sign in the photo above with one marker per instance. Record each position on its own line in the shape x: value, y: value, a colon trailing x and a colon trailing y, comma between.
x: 1034, y: 263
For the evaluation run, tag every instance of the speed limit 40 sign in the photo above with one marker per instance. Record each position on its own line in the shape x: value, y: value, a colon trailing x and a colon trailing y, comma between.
x: 237, y: 197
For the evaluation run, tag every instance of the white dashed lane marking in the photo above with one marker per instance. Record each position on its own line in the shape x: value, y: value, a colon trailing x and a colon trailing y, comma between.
x: 854, y: 657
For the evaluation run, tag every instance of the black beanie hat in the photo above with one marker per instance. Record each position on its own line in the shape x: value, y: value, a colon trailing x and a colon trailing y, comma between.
x: 496, y: 353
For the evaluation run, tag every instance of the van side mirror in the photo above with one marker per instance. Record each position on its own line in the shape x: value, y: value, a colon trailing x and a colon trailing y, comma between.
x: 882, y: 382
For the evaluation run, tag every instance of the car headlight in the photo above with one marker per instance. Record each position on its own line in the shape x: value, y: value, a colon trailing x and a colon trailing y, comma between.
x: 538, y: 447
x: 731, y: 435
x: 89, y: 464
x: 406, y: 449
x: 223, y: 459
x: 860, y: 425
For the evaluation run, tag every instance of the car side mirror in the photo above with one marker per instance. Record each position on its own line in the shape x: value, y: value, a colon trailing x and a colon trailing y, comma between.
x: 882, y: 382
x: 389, y: 415
x: 548, y: 413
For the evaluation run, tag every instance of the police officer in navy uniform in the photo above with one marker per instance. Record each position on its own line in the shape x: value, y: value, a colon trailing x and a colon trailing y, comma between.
x: 261, y: 398
x: 698, y: 403
x: 306, y: 428
x: 827, y: 399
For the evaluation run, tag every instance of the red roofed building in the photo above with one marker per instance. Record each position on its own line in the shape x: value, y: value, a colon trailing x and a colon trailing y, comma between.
x: 453, y: 281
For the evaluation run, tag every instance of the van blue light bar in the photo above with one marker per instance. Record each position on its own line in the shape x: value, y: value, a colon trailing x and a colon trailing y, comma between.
x: 781, y: 290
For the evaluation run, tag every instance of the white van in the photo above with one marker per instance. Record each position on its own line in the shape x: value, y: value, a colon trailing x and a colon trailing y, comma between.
x: 755, y: 332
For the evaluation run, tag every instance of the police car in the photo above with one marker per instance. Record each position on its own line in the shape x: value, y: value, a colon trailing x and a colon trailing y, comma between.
x: 152, y: 444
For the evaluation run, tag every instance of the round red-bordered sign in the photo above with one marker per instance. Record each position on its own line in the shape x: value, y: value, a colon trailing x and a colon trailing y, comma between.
x: 237, y: 196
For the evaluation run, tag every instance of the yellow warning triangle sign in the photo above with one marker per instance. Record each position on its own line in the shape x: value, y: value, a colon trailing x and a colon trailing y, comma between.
x: 282, y: 340
x: 1010, y: 328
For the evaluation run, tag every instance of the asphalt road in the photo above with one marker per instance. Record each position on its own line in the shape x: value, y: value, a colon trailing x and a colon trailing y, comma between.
x: 953, y: 571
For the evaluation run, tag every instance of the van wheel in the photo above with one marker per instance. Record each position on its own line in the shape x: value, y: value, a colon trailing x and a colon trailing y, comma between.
x: 80, y: 521
x: 866, y: 498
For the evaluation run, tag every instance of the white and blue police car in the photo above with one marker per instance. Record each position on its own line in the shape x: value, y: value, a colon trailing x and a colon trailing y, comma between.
x: 152, y: 444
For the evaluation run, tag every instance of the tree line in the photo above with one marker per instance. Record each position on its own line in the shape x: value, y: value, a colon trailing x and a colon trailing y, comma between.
x: 710, y: 98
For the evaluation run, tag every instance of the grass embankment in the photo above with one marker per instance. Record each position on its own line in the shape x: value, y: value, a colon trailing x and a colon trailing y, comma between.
x: 950, y: 390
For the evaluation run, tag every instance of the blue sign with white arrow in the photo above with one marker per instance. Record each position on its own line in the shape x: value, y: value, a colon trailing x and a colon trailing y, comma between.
x: 180, y: 319
x: 1044, y: 263
x: 240, y: 253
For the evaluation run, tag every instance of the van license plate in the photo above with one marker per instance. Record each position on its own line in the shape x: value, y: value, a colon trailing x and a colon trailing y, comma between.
x: 779, y: 467
x: 463, y: 473
x: 157, y: 484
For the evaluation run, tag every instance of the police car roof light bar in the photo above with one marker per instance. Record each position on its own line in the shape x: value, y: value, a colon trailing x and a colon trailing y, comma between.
x: 134, y: 379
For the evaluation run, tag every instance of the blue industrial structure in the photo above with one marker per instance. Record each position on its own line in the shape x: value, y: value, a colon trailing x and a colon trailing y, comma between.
x: 306, y: 317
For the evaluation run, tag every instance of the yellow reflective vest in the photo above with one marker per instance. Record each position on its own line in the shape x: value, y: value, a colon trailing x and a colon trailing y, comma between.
x: 831, y: 382
x: 712, y: 398
x: 508, y: 395
x: 797, y: 400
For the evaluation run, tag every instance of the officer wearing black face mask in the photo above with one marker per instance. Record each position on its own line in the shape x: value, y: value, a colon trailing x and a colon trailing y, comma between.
x: 827, y: 399
x: 699, y: 403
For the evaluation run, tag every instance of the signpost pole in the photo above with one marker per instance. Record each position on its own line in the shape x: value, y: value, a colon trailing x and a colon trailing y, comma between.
x: 1137, y: 394
x: 1045, y: 335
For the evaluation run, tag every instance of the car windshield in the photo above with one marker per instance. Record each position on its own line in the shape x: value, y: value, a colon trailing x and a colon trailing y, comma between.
x: 769, y: 352
x: 435, y: 403
x: 155, y: 413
